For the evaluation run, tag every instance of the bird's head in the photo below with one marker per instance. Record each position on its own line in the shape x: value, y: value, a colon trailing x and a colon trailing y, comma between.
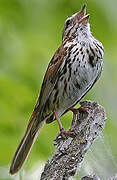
x: 76, y: 25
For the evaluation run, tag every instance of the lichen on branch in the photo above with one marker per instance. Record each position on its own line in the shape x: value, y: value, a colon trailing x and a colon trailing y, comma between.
x: 70, y: 150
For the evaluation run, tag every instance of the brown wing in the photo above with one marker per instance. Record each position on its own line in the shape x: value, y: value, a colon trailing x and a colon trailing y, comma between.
x: 48, y: 84
x: 51, y: 77
x: 35, y: 122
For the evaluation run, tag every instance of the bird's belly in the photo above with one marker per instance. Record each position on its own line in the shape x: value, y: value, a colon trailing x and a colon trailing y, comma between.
x: 78, y: 85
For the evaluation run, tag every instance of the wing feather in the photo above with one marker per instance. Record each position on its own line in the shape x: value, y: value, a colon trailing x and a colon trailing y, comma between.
x: 51, y: 77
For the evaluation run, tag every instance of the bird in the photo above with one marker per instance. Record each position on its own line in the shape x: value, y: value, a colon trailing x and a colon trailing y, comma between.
x: 73, y: 70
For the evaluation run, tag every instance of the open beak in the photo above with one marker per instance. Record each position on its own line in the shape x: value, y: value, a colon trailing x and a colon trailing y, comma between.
x: 85, y: 19
x: 81, y: 15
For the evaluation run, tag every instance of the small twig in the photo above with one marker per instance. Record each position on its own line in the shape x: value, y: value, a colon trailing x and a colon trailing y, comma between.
x: 70, y: 150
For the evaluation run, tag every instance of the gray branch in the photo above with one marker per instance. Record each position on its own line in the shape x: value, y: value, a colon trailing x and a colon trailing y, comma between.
x: 95, y: 177
x: 70, y: 150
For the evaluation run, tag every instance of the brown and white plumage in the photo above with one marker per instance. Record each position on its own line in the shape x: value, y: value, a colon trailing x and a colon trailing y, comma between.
x: 73, y: 70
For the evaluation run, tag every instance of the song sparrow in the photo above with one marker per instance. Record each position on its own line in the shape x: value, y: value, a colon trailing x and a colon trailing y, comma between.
x: 73, y: 70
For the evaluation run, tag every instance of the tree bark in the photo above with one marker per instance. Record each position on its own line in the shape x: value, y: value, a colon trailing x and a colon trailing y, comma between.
x: 95, y: 177
x: 87, y: 125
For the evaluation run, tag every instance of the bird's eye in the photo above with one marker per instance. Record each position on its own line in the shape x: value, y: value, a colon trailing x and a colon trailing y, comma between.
x: 68, y: 22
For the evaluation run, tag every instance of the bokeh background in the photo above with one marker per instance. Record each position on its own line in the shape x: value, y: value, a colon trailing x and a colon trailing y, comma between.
x: 30, y: 33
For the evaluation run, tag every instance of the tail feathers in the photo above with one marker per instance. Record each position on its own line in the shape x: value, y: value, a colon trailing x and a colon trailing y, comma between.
x: 25, y: 146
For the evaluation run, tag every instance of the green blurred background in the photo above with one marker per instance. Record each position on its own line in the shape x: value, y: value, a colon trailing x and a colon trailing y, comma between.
x: 30, y: 33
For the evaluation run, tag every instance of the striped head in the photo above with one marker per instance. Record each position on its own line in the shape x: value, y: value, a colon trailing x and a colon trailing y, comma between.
x: 76, y: 25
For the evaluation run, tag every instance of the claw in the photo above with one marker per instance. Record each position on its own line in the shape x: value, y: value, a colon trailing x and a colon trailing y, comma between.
x: 84, y: 109
x: 64, y: 132
x: 75, y: 111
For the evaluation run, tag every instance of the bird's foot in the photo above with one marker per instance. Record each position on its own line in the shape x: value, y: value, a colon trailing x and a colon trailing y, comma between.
x: 84, y: 109
x: 76, y: 111
x: 64, y: 132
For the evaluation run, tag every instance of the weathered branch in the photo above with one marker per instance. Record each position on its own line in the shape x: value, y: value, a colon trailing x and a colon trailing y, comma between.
x: 95, y: 177
x: 70, y: 151
x: 91, y: 177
